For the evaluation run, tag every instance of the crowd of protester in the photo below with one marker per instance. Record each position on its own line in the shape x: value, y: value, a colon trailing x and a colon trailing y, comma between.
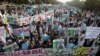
x: 80, y: 20
x: 43, y: 33
x: 17, y: 42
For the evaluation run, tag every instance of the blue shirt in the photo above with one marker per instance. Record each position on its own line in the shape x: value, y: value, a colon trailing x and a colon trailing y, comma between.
x: 70, y: 45
x: 45, y: 37
x: 25, y: 46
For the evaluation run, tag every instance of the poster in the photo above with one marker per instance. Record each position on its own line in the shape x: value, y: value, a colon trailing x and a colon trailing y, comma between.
x: 58, y: 43
x: 71, y: 31
x: 10, y: 19
x: 64, y: 17
x: 92, y: 32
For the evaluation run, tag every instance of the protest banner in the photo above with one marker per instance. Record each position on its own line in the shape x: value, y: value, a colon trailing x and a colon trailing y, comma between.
x: 18, y: 31
x: 39, y: 17
x: 35, y: 18
x: 62, y: 52
x: 71, y: 31
x: 33, y: 52
x: 25, y: 20
x: 92, y: 32
x: 49, y: 13
x: 43, y: 16
x: 81, y: 51
x: 49, y: 51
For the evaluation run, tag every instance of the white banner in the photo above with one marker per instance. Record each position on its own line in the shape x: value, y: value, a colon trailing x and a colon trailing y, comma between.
x: 25, y: 20
x: 92, y: 32
x: 82, y: 51
x: 43, y: 16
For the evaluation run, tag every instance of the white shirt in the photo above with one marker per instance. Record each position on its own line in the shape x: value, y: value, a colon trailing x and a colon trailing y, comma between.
x: 80, y: 43
x: 3, y: 34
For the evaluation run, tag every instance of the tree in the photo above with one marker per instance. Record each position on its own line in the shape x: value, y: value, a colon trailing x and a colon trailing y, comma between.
x: 92, y: 4
x: 45, y: 1
x: 33, y: 1
x: 52, y: 1
x: 38, y: 1
x: 76, y: 3
x: 18, y: 1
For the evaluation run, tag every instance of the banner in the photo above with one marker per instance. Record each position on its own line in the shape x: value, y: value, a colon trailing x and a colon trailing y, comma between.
x: 49, y: 51
x: 33, y: 52
x: 49, y: 13
x: 81, y: 51
x: 19, y: 31
x: 92, y: 32
x: 43, y: 16
x: 25, y: 20
x: 39, y: 17
x: 35, y: 18
x: 71, y: 31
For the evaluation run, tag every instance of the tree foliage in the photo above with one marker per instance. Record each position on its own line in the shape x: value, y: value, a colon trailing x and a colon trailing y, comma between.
x: 88, y: 4
x: 76, y: 3
x: 45, y: 1
x: 92, y: 4
x: 27, y: 1
x: 17, y: 1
